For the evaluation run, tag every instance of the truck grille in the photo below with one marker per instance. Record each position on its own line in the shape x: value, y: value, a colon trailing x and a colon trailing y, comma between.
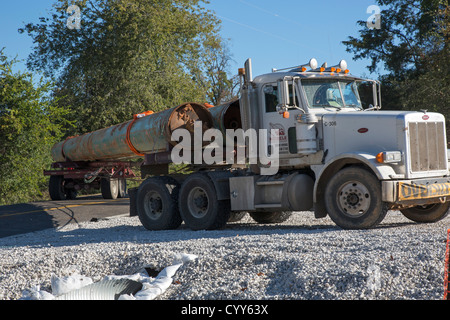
x: 427, y: 145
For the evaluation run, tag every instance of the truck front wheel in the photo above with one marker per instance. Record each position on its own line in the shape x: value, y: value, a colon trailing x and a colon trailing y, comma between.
x: 353, y: 199
x: 199, y: 206
x: 428, y: 213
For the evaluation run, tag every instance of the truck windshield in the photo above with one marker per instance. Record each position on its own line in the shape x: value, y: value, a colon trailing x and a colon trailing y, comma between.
x: 331, y: 93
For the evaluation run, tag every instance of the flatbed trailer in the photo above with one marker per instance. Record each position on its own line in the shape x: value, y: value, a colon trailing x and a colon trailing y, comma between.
x: 68, y: 178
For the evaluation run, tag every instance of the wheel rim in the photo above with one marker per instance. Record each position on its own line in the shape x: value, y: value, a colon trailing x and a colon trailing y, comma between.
x: 198, y: 202
x: 354, y: 199
x: 153, y: 205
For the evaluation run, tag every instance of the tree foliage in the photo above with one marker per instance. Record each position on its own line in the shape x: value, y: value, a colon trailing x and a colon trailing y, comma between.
x: 30, y: 123
x: 413, y: 47
x: 127, y: 57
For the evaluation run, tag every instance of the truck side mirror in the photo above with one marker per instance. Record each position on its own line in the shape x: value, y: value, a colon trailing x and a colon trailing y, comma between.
x: 283, y: 95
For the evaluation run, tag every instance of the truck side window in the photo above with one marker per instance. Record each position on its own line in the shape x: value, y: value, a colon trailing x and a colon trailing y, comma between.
x: 271, y: 97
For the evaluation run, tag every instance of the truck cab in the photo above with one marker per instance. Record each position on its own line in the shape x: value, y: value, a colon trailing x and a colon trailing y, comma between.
x: 337, y: 156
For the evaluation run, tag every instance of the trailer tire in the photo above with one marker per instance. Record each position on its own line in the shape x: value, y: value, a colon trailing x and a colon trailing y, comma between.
x: 199, y: 207
x: 56, y: 188
x: 428, y: 213
x: 353, y: 199
x: 122, y: 188
x: 156, y: 204
x: 109, y: 188
x: 271, y: 217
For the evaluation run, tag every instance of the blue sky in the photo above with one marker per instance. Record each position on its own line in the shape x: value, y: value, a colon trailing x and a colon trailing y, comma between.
x: 275, y: 34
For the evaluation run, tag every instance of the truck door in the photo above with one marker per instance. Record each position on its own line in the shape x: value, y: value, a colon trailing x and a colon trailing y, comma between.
x: 272, y: 119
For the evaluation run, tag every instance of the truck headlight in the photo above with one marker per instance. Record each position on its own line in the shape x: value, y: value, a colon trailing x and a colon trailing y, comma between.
x: 389, y: 157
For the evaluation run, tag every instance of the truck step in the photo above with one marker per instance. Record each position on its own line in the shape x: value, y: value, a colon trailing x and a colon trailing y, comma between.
x: 267, y: 205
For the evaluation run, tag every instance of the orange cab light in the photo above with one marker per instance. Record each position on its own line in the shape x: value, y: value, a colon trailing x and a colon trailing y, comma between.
x: 322, y: 69
x: 338, y: 70
x: 380, y: 157
x: 333, y: 69
x: 303, y: 69
x: 347, y: 71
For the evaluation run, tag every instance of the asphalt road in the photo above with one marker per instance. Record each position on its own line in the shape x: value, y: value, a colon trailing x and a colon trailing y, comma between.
x: 29, y: 217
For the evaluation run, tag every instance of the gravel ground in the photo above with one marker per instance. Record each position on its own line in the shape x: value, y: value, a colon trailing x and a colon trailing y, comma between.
x: 302, y: 258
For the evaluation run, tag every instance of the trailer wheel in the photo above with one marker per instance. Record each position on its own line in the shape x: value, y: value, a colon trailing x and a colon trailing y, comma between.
x: 271, y: 217
x: 58, y: 191
x: 353, y: 199
x: 122, y: 188
x: 199, y: 206
x: 109, y: 188
x: 156, y: 204
x: 428, y: 213
x: 56, y: 188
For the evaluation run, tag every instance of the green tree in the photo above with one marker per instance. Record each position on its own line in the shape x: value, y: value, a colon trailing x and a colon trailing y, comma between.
x: 413, y: 47
x: 221, y: 87
x: 30, y: 123
x: 128, y: 56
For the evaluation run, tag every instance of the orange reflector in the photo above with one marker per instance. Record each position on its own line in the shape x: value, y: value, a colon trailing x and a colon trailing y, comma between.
x: 380, y: 157
x: 208, y: 106
x: 142, y: 115
x: 286, y: 115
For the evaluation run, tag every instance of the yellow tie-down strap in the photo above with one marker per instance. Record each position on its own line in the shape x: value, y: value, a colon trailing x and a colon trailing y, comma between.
x: 408, y: 191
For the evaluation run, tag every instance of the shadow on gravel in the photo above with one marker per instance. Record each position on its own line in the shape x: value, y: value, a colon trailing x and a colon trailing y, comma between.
x: 138, y: 234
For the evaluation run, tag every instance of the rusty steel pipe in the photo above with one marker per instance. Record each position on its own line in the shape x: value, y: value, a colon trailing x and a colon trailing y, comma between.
x: 226, y: 116
x: 147, y: 135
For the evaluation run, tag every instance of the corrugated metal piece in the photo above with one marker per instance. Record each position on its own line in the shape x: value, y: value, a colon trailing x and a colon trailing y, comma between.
x: 104, y: 290
x: 148, y: 135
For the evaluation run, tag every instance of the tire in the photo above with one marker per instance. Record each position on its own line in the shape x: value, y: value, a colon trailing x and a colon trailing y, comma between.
x: 56, y: 188
x: 58, y: 191
x: 156, y: 204
x: 199, y: 207
x: 271, y: 217
x: 428, y: 213
x: 353, y: 199
x: 122, y: 188
x: 109, y: 188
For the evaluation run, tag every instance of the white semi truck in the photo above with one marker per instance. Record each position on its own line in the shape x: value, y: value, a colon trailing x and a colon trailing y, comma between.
x: 334, y: 156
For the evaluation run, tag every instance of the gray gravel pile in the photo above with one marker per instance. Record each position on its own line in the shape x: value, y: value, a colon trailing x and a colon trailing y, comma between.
x: 302, y: 258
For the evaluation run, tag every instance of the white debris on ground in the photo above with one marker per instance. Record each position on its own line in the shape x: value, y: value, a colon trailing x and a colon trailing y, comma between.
x: 151, y: 287
x: 302, y: 258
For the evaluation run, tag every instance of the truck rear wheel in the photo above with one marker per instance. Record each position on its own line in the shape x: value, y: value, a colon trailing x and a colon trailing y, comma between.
x: 428, y: 213
x: 353, y: 199
x: 199, y: 207
x: 271, y: 217
x: 156, y: 204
